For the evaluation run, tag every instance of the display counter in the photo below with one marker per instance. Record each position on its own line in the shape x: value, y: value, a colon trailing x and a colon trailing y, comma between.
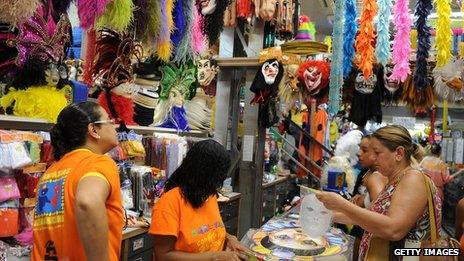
x: 292, y: 245
x: 137, y: 244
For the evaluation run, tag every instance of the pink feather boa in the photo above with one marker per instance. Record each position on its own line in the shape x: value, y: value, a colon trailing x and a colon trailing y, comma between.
x: 90, y: 10
x: 402, y: 42
x: 198, y: 38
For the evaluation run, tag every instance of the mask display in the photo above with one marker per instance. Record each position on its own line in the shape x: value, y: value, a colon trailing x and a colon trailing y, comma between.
x: 289, y: 92
x: 55, y: 73
x: 207, y: 6
x: 270, y: 71
x: 207, y: 71
x: 315, y: 219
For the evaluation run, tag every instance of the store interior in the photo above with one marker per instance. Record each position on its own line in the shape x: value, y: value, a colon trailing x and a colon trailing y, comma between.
x: 288, y: 87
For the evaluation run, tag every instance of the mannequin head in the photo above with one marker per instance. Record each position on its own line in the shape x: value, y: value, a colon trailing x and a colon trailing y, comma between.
x: 207, y: 71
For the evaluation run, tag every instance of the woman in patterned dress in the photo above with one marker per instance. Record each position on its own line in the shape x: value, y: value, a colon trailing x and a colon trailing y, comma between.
x: 399, y: 216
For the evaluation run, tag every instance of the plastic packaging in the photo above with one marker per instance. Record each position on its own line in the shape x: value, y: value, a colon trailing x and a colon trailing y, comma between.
x: 315, y: 219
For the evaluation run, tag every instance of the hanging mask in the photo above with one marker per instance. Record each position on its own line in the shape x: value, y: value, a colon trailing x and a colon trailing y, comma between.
x: 207, y: 6
x: 55, y: 73
x: 314, y: 75
x: 270, y: 70
x: 390, y: 84
x: 207, y: 71
x: 365, y: 85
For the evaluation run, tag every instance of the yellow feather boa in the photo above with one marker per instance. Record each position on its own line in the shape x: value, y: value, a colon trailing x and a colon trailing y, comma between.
x: 44, y: 102
x: 443, y: 39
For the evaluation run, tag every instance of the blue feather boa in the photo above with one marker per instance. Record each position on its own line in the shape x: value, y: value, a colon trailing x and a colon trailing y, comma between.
x: 179, y: 23
x: 382, y: 48
x: 351, y: 27
x: 423, y: 9
x: 336, y: 76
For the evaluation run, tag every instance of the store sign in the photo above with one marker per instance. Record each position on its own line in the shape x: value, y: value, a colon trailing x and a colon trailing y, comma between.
x: 407, y: 122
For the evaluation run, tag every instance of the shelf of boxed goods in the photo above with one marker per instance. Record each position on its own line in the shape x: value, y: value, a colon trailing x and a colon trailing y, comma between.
x: 32, y: 124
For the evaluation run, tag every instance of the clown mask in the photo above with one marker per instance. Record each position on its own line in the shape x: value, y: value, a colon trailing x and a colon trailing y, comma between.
x: 365, y: 85
x: 270, y: 69
x: 207, y: 6
x: 312, y: 78
x: 206, y: 72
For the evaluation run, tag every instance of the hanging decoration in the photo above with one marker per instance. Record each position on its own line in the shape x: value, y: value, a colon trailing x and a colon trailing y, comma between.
x: 17, y: 11
x: 244, y: 9
x: 153, y: 24
x: 213, y: 18
x: 336, y: 76
x: 401, y: 42
x: 179, y: 23
x: 423, y: 9
x: 382, y: 48
x: 141, y: 17
x: 198, y: 38
x: 184, y: 50
x: 443, y: 38
x: 164, y: 45
x: 366, y: 36
x: 118, y: 15
x: 90, y: 10
x: 351, y: 26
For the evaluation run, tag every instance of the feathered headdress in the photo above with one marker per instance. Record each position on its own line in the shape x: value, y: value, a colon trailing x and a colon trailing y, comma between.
x: 17, y: 11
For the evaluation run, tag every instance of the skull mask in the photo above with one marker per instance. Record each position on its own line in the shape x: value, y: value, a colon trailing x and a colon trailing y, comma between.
x: 365, y: 85
x: 207, y: 71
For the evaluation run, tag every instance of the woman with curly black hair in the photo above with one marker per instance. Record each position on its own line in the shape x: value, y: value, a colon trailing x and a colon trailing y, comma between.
x: 186, y: 222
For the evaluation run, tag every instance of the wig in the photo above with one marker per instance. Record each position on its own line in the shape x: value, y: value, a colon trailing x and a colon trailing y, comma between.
x: 336, y: 71
x: 401, y: 42
x: 351, y: 26
x: 118, y: 15
x: 90, y: 10
x: 423, y: 9
x: 17, y: 11
x: 366, y: 36
x: 213, y: 24
x: 443, y: 38
x: 382, y: 48
x: 201, y: 173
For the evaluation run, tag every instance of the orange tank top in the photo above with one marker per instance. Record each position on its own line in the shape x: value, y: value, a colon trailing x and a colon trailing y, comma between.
x: 55, y: 229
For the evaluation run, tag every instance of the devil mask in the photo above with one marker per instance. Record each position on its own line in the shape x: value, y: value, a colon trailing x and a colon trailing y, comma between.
x: 207, y: 71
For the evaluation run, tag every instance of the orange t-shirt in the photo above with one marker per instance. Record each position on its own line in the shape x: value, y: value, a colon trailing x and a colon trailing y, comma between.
x: 55, y: 228
x: 197, y: 230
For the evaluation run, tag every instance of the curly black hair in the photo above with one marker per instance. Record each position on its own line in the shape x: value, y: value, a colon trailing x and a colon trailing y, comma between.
x: 213, y: 24
x: 201, y: 173
x: 70, y: 131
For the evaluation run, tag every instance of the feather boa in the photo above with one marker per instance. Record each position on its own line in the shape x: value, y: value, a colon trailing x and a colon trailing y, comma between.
x: 198, y: 38
x: 44, y: 102
x: 89, y: 56
x: 141, y: 17
x: 154, y: 22
x: 443, y: 38
x: 382, y: 48
x: 351, y: 26
x: 15, y: 12
x: 90, y: 10
x: 124, y: 107
x: 423, y: 9
x: 118, y: 15
x: 401, y: 43
x: 336, y: 76
x: 365, y: 38
x: 179, y: 23
x: 184, y: 49
x: 164, y: 44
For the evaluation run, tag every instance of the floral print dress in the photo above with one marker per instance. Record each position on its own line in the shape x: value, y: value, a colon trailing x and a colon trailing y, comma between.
x: 419, y: 232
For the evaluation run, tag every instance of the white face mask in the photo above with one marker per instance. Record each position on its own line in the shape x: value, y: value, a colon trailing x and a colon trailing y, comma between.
x: 270, y: 71
x: 208, y: 6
